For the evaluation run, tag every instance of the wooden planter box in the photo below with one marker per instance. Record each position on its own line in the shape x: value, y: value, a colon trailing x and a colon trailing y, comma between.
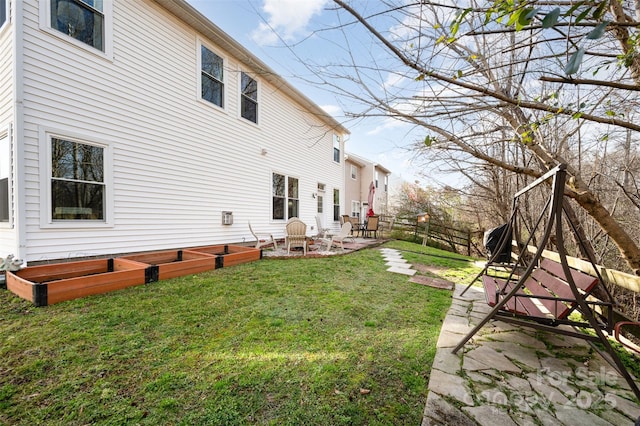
x: 231, y: 255
x: 48, y: 284
x: 174, y: 263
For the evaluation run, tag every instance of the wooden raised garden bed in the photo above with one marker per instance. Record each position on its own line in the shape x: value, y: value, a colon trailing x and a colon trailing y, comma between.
x: 48, y: 284
x: 174, y: 263
x: 52, y: 283
x: 231, y: 255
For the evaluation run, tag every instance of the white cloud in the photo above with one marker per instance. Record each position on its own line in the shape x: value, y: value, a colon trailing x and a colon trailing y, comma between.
x: 288, y: 18
x: 387, y: 124
x: 332, y: 110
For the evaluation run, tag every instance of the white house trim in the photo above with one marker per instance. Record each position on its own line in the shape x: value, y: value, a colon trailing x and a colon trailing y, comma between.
x: 45, y: 25
x: 46, y: 220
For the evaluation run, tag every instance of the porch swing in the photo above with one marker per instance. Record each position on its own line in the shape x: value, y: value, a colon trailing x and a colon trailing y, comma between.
x: 533, y: 290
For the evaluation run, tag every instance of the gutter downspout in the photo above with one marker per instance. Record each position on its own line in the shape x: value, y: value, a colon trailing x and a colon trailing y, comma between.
x: 19, y: 179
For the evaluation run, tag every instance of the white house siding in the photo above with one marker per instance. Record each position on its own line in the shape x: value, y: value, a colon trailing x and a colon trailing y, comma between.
x: 8, y: 234
x: 177, y: 161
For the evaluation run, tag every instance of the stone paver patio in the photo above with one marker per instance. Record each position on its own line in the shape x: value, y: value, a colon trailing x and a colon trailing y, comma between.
x: 509, y: 375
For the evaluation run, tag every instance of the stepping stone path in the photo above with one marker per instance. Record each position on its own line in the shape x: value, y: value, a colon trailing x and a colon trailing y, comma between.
x: 396, y: 263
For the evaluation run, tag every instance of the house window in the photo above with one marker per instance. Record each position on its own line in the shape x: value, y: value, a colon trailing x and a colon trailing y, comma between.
x: 5, y: 166
x: 336, y: 148
x: 249, y: 98
x: 354, y: 172
x: 77, y: 181
x: 285, y: 197
x: 83, y: 20
x: 355, y: 208
x: 4, y: 8
x: 212, y: 80
x: 386, y: 183
x: 376, y: 179
x: 321, y: 190
x: 336, y: 204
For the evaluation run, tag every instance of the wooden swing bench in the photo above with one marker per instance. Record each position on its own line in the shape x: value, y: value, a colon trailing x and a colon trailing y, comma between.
x: 545, y: 297
x: 538, y: 292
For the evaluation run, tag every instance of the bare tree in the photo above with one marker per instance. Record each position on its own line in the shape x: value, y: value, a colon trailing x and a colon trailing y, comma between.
x: 503, y: 93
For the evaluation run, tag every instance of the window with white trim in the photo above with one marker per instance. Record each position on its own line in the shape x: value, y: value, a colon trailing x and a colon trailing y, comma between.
x: 285, y: 197
x: 321, y: 192
x: 78, y: 189
x: 5, y: 172
x: 212, y: 77
x: 355, y: 208
x: 376, y: 179
x: 386, y: 183
x: 336, y: 148
x: 354, y: 172
x: 4, y: 11
x: 83, y: 20
x: 336, y: 204
x: 248, y: 98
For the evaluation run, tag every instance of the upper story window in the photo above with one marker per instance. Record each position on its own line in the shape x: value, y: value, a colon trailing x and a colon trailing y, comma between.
x: 4, y: 8
x: 376, y: 179
x: 77, y: 181
x: 336, y: 148
x: 212, y: 80
x: 386, y: 183
x: 83, y: 20
x: 354, y: 172
x: 249, y: 97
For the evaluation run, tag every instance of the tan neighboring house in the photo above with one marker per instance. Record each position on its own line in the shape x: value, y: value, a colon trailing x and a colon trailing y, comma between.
x: 359, y: 174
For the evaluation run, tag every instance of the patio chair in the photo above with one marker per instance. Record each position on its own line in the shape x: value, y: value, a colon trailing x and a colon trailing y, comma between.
x: 356, y: 227
x: 372, y: 226
x: 345, y: 232
x: 322, y: 231
x: 263, y: 239
x: 296, y: 235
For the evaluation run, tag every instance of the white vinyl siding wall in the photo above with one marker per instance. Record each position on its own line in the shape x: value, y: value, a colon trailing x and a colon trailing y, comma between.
x: 8, y: 233
x: 177, y: 164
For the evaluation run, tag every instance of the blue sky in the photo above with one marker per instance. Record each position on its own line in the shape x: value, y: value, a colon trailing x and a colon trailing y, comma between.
x: 251, y: 22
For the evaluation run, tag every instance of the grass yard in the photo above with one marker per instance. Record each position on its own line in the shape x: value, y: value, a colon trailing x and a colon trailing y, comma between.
x: 335, y: 340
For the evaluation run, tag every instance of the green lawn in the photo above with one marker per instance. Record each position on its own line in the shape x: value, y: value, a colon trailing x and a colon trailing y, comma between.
x: 335, y: 340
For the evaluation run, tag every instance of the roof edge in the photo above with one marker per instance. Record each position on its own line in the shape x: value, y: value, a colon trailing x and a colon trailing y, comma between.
x: 196, y: 20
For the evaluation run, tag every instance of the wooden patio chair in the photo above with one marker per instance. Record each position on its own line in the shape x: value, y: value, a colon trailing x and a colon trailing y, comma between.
x: 263, y: 239
x: 296, y: 235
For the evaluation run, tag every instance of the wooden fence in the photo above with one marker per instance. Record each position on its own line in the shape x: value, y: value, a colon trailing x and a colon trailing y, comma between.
x: 455, y: 239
